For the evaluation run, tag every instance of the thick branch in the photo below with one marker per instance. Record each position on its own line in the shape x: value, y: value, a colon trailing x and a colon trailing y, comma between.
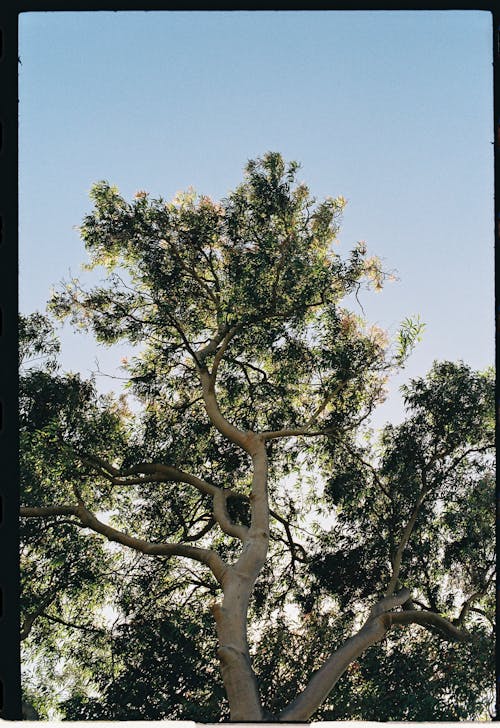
x: 47, y: 511
x: 205, y: 556
x: 259, y: 501
x: 239, y: 437
x: 31, y: 618
x: 94, y: 460
x: 292, y: 432
x: 305, y: 430
x: 172, y: 474
x: 323, y: 681
x: 213, y: 343
x: 388, y: 603
x: 426, y: 619
x: 376, y: 627
x: 162, y: 473
x: 223, y: 348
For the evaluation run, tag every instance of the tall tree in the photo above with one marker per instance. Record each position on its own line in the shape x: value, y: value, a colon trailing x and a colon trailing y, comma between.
x: 246, y: 481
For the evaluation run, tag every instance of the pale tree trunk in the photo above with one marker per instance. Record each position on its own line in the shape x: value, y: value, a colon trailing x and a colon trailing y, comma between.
x: 238, y: 582
x: 238, y: 579
x: 236, y: 669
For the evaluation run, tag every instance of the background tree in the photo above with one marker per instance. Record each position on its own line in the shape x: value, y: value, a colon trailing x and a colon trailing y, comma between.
x: 247, y: 511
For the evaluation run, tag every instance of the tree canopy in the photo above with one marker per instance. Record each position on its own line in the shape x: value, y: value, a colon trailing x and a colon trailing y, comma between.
x: 230, y: 539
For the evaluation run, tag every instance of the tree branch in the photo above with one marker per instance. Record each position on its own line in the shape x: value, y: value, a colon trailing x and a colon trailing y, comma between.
x: 468, y: 603
x: 397, y: 558
x: 305, y: 429
x: 234, y: 434
x: 289, y: 540
x: 321, y: 408
x: 202, y: 532
x: 213, y: 343
x: 205, y: 556
x: 183, y: 336
x: 426, y: 619
x: 323, y: 681
x: 223, y: 348
x: 291, y: 432
x: 245, y: 364
x: 83, y: 627
x: 159, y: 472
x: 222, y: 517
x: 192, y: 273
x: 458, y: 459
x: 374, y: 629
x: 483, y: 614
x: 388, y: 603
x: 370, y: 467
x: 169, y: 473
x: 31, y: 618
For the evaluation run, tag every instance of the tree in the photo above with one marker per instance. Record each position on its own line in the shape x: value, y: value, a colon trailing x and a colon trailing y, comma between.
x: 243, y: 478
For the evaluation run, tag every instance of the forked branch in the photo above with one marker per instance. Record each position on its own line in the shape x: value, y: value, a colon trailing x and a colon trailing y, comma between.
x: 375, y: 628
x: 205, y: 556
x: 158, y: 472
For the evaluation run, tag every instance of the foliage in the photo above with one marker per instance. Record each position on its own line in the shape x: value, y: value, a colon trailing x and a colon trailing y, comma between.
x: 249, y: 292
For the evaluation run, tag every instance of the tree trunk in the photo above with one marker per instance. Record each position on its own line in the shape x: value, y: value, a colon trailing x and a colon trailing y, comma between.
x: 236, y: 669
x: 238, y: 582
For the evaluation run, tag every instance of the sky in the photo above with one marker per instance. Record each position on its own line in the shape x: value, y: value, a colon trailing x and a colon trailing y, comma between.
x: 392, y: 110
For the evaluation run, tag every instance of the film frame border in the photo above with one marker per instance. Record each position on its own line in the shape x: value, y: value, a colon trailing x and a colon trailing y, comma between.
x: 10, y: 679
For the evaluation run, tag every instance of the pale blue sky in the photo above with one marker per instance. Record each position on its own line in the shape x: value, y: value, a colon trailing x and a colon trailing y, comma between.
x: 393, y: 110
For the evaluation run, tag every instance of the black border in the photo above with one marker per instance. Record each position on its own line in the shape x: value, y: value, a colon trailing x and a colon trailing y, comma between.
x: 10, y: 692
x: 10, y: 683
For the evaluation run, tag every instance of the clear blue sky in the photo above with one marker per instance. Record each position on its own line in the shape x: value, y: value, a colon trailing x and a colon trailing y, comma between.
x: 393, y: 110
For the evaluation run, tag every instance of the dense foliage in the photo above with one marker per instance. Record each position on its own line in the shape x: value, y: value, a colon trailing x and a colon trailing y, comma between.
x: 236, y: 311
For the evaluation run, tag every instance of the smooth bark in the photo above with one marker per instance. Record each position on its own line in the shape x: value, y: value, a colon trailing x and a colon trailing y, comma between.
x: 323, y: 681
x: 238, y: 582
x: 239, y: 579
x: 235, y: 665
x: 375, y: 628
x: 205, y: 556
